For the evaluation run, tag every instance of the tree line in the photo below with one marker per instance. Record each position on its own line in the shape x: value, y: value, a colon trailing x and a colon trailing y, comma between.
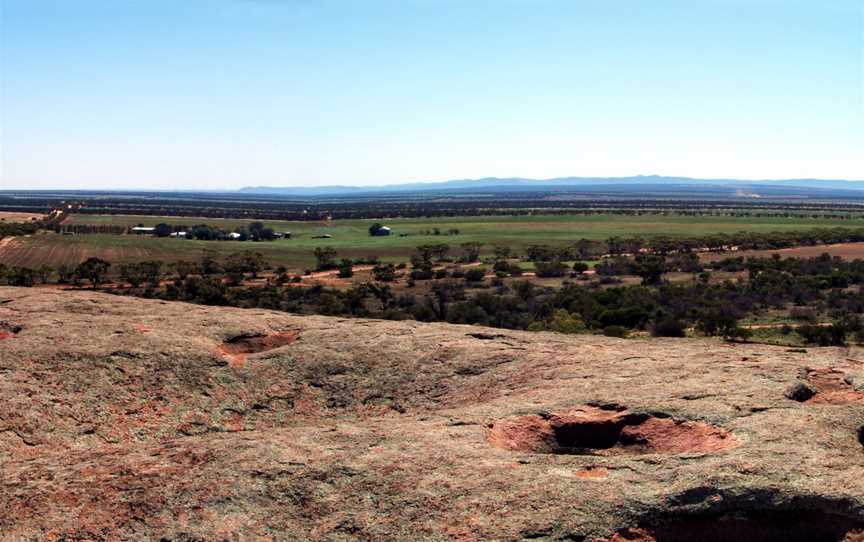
x: 810, y: 286
x: 274, y: 207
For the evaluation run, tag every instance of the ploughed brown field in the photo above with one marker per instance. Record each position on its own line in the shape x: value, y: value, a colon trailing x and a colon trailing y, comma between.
x: 847, y: 251
x: 7, y: 216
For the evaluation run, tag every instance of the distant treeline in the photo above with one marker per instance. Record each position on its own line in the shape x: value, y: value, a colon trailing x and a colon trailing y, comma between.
x: 394, y: 206
x: 110, y: 229
x: 12, y: 229
x: 255, y: 231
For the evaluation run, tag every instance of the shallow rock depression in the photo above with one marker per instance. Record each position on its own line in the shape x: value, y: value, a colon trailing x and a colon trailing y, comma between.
x: 604, y: 431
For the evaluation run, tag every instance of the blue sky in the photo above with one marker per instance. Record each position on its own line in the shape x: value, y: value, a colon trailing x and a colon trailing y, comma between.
x: 226, y: 93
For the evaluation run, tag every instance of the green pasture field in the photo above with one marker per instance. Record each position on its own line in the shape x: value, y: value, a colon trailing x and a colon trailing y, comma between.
x: 350, y: 238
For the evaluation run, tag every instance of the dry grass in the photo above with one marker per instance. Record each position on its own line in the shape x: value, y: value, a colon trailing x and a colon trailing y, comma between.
x: 8, y: 216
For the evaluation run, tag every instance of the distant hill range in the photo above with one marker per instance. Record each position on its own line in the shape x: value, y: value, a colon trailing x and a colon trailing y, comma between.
x: 640, y: 184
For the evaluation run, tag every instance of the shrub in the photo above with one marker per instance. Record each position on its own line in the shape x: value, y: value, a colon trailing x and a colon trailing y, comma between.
x: 823, y: 335
x: 806, y: 314
x: 739, y: 333
x: 668, y: 326
x: 553, y: 268
x: 384, y: 272
x: 423, y: 273
x: 580, y: 267
x: 475, y: 274
x: 325, y: 258
x: 615, y: 331
x: 566, y: 322
x: 346, y: 269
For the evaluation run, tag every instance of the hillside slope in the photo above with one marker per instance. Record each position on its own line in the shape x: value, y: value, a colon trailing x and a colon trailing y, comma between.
x: 130, y: 419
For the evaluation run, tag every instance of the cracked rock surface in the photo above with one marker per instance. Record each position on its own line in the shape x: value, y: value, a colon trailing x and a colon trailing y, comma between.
x: 132, y: 419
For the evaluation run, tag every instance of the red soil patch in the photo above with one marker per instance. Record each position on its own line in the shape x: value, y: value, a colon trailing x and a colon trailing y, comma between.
x: 591, y: 430
x: 235, y: 349
x: 7, y: 331
x: 832, y: 389
x: 592, y: 473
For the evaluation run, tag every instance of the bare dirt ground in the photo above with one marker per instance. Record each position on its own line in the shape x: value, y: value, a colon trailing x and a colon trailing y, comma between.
x: 133, y: 419
x: 7, y: 216
x: 847, y: 251
x: 6, y: 242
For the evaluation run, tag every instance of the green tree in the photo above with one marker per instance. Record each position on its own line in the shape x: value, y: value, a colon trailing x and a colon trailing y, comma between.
x: 553, y: 268
x: 470, y: 251
x: 152, y: 271
x: 650, y: 268
x: 93, y: 269
x: 586, y: 249
x: 132, y: 273
x: 668, y: 326
x: 566, y: 322
x: 501, y: 252
x: 375, y: 229
x: 384, y: 272
x: 65, y: 273
x: 44, y: 273
x: 254, y: 262
x: 475, y: 275
x: 208, y: 264
x: 346, y: 269
x: 440, y: 250
x: 20, y: 276
x: 580, y: 267
x: 258, y: 232
x: 325, y: 258
x: 183, y: 268
x: 163, y: 230
x: 247, y: 261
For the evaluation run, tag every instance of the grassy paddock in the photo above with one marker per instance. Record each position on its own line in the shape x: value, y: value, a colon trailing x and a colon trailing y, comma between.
x: 351, y: 238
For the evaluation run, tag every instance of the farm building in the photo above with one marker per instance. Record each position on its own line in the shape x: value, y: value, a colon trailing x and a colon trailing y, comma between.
x: 143, y: 230
x: 234, y: 236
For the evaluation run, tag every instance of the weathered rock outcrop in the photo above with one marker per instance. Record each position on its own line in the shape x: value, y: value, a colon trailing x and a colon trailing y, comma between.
x: 129, y: 419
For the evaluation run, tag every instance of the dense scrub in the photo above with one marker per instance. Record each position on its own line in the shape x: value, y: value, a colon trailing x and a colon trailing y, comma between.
x: 829, y: 285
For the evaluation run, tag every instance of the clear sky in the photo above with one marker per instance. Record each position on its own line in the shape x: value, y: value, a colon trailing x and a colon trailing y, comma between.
x: 227, y: 93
